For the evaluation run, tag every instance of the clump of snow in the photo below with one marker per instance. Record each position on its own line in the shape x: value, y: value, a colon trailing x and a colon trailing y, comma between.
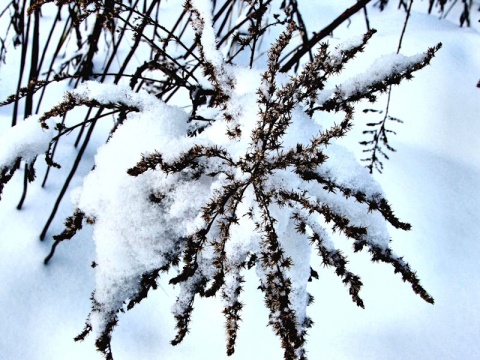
x: 345, y: 46
x: 343, y: 169
x: 299, y: 250
x: 112, y: 93
x: 382, y: 68
x: 132, y: 234
x: 26, y: 140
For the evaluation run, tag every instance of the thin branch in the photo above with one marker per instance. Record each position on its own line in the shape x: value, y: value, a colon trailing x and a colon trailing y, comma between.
x: 316, y: 38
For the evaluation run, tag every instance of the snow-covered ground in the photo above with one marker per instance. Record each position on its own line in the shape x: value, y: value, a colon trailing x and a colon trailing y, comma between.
x: 431, y: 181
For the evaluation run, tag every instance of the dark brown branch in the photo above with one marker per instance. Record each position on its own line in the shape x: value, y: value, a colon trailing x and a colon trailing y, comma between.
x: 322, y: 34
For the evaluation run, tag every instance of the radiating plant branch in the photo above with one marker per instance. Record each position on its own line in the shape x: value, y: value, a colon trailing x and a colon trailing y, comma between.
x: 244, y: 177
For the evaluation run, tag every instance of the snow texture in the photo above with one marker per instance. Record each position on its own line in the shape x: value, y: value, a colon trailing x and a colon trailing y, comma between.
x: 26, y: 140
x: 133, y: 235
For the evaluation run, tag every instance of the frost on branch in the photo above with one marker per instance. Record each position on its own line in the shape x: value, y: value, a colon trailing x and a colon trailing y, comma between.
x: 259, y: 188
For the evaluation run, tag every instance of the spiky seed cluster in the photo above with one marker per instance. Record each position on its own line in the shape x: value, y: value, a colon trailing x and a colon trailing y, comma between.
x: 265, y: 157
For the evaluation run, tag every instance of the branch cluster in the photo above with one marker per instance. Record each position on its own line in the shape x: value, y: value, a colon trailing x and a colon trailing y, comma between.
x: 278, y: 179
x: 247, y: 179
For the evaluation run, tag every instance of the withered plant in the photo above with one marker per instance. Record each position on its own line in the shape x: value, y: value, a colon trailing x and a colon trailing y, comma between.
x: 219, y: 189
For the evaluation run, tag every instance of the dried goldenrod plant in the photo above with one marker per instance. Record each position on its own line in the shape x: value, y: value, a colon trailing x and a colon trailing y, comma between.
x: 246, y: 178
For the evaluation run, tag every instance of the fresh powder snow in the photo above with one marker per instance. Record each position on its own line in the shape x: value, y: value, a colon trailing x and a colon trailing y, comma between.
x: 428, y: 181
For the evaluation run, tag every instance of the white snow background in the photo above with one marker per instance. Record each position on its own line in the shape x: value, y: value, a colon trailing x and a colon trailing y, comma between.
x: 431, y: 181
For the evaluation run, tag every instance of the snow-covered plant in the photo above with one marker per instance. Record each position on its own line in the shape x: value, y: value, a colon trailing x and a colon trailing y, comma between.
x: 254, y: 180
